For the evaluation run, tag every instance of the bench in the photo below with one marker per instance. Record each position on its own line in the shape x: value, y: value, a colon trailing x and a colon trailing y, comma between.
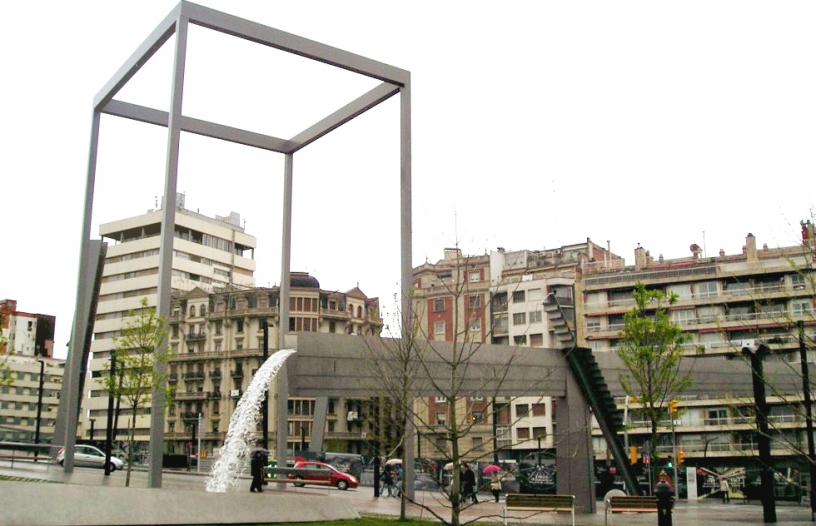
x: 621, y: 504
x: 539, y: 503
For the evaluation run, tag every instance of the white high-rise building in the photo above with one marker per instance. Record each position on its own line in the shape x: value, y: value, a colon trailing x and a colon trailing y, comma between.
x: 209, y: 253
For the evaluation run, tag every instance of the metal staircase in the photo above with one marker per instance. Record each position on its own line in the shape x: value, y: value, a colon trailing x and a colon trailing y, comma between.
x: 585, y: 370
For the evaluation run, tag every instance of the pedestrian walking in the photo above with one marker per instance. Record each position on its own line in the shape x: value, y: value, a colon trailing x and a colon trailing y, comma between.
x: 469, y: 484
x: 387, y: 479
x: 495, y: 485
x: 725, y: 489
x: 257, y: 464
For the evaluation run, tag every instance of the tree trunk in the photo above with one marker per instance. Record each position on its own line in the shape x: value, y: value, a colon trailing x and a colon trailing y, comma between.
x: 131, y: 440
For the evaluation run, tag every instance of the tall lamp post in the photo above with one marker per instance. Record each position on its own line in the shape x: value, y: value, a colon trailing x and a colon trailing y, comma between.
x: 39, y: 406
x: 756, y: 352
x: 808, y: 412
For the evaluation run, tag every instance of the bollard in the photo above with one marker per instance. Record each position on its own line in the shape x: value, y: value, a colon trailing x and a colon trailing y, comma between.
x: 665, y: 502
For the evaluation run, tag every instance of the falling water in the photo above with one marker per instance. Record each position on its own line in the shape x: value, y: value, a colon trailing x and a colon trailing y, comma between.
x: 242, y: 425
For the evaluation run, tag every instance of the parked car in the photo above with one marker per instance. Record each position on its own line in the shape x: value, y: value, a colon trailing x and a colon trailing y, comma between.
x: 90, y: 456
x: 324, y: 474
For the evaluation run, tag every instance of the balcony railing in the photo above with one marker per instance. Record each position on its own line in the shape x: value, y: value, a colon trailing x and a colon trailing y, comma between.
x: 196, y: 336
x: 196, y: 375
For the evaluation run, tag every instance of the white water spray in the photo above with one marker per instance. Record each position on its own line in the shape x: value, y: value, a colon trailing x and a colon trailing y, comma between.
x: 242, y: 425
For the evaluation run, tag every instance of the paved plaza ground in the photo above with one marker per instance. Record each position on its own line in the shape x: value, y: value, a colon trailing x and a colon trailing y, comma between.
x: 180, y: 483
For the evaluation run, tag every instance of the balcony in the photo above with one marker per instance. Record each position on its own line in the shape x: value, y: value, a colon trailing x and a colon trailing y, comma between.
x: 196, y: 336
x: 215, y: 374
x: 214, y: 395
x: 190, y: 395
x: 238, y: 373
x: 196, y: 375
x: 172, y: 378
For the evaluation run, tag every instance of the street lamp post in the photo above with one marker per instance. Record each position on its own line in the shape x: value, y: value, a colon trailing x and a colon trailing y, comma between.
x: 808, y: 412
x: 756, y: 352
x: 92, y: 420
x: 39, y: 406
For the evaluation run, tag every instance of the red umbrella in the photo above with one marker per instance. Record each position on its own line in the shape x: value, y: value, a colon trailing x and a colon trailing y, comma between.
x: 491, y: 468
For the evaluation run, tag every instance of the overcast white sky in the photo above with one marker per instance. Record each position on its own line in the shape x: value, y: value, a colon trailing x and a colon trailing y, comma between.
x: 535, y: 124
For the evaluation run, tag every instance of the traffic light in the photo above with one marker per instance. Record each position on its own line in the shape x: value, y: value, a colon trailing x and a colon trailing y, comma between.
x: 673, y: 407
x: 681, y: 457
x: 633, y: 456
x: 669, y: 463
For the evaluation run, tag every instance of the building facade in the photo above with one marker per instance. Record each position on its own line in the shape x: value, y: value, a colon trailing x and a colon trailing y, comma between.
x: 499, y: 298
x: 218, y: 340
x: 20, y: 402
x: 208, y: 253
x: 723, y: 300
x: 25, y: 333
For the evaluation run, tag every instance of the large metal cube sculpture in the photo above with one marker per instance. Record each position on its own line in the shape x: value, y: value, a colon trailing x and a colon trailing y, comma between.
x: 394, y: 81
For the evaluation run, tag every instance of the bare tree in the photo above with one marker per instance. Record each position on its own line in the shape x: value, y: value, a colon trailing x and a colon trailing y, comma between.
x: 457, y: 371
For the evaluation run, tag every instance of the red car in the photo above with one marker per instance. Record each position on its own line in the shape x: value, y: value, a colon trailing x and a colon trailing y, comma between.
x: 324, y: 475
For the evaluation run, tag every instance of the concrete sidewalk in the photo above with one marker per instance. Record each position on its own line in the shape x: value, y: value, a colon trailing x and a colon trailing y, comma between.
x: 185, y: 490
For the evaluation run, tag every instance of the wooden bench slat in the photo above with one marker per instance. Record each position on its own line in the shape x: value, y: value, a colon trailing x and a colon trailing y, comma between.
x: 542, y: 503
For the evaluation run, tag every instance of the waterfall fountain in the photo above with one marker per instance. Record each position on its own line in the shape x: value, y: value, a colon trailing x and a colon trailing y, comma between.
x: 242, y: 425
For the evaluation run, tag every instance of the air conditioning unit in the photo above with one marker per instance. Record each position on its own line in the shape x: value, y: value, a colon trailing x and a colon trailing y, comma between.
x: 352, y: 415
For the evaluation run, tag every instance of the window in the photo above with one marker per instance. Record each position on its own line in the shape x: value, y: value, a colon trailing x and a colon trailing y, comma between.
x: 441, y: 400
x: 534, y: 295
x: 240, y: 324
x: 218, y: 328
x: 522, y: 410
x: 475, y: 324
x: 519, y: 318
x: 477, y: 417
x: 539, y: 432
x: 520, y: 340
x: 439, y: 305
x: 217, y: 346
x: 441, y: 418
x: 536, y: 340
x: 332, y: 326
x: 535, y: 316
x: 202, y: 310
x: 518, y: 296
x: 708, y: 314
x: 475, y: 276
x: 539, y: 409
x: 523, y: 433
x: 798, y: 282
x: 474, y: 302
x: 683, y: 317
x: 478, y: 443
x: 192, y: 311
x: 439, y: 327
x: 801, y: 308
x: 239, y: 345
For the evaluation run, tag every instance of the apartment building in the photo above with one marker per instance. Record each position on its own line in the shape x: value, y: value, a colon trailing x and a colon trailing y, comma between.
x: 20, y: 402
x: 500, y: 298
x: 218, y: 340
x: 209, y: 254
x: 27, y: 346
x: 759, y: 294
x: 25, y: 333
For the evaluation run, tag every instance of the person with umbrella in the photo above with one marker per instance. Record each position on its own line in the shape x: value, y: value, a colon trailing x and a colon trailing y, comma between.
x: 495, y: 479
x: 257, y: 464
